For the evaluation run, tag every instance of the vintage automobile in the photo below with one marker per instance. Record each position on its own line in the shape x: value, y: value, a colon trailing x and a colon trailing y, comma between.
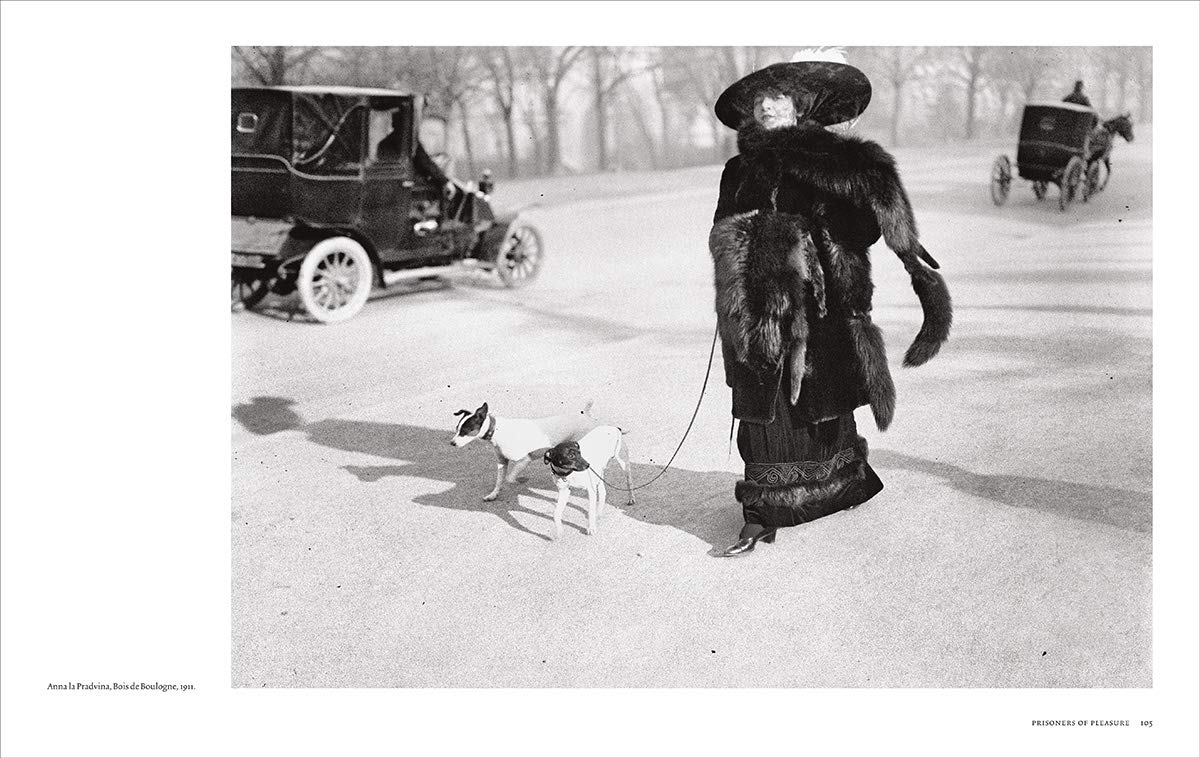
x: 1053, y: 148
x: 329, y: 201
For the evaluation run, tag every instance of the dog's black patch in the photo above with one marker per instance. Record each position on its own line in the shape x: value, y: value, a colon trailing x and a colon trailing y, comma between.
x: 565, y: 456
x: 473, y: 422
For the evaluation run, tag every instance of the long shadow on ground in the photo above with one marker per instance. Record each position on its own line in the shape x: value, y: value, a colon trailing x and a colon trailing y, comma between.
x: 1125, y: 509
x: 696, y: 502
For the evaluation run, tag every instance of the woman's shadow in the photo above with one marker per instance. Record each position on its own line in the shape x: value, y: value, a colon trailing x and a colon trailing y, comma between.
x: 1124, y: 509
x: 699, y: 503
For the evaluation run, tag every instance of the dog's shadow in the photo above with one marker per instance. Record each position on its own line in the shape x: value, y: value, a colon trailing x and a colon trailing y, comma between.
x: 699, y: 503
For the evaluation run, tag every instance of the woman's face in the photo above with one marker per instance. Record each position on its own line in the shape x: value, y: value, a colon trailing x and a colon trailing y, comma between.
x: 775, y: 111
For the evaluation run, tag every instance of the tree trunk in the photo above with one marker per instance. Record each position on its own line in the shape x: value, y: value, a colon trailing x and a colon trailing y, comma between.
x: 972, y: 84
x: 601, y: 112
x: 1145, y: 87
x: 667, y: 156
x: 466, y: 137
x: 553, y: 150
x: 539, y: 152
x: 278, y: 62
x: 897, y: 104
x: 511, y: 133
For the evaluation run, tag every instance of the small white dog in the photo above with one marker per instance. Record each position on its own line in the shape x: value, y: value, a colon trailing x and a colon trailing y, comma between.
x: 515, y: 439
x: 581, y: 465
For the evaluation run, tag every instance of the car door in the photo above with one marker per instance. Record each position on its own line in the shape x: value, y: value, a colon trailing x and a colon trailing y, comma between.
x: 388, y: 192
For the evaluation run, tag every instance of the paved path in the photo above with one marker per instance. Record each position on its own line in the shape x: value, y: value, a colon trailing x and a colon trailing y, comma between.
x: 1011, y: 546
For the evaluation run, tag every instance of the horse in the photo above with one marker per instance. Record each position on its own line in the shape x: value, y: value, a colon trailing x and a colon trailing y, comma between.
x: 1100, y: 144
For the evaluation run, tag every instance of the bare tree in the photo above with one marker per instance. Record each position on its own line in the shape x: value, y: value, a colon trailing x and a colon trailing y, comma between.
x: 609, y: 72
x: 1013, y: 74
x: 501, y: 82
x: 548, y: 68
x: 968, y: 65
x: 666, y: 87
x: 897, y: 66
x: 273, y: 66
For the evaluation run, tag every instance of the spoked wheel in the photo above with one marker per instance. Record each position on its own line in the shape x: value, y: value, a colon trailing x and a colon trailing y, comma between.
x: 335, y: 279
x: 1001, y: 179
x: 1069, y: 184
x: 1091, y: 184
x: 520, y: 256
x: 1039, y: 190
x: 247, y: 291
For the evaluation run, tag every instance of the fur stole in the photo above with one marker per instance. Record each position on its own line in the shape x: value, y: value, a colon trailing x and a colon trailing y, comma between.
x: 863, y: 173
x: 766, y: 271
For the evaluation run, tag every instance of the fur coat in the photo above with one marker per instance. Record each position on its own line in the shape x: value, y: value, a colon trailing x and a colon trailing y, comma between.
x: 799, y: 208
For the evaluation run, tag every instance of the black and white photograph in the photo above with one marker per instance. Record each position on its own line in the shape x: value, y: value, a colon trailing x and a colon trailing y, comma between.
x: 552, y: 235
x: 601, y: 391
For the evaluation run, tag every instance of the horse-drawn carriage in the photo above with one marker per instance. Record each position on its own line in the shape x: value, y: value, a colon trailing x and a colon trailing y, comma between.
x: 1061, y: 144
x: 329, y: 200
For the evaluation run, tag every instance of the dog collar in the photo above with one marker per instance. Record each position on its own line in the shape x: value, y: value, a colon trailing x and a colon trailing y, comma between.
x: 561, y: 473
x: 487, y: 436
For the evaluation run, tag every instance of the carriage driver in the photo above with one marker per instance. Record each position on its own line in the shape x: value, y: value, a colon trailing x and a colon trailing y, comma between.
x: 389, y: 149
x: 1077, y: 97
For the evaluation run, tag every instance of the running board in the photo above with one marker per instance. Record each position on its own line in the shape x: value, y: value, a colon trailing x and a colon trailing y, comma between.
x: 409, y: 274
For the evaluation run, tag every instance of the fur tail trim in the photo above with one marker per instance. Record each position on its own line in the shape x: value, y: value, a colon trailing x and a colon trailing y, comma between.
x: 872, y: 363
x: 935, y: 304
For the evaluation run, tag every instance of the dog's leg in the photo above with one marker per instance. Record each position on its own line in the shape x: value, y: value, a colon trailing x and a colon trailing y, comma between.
x: 624, y: 462
x: 595, y: 496
x: 564, y: 493
x: 501, y: 462
x: 517, y: 467
x: 602, y: 497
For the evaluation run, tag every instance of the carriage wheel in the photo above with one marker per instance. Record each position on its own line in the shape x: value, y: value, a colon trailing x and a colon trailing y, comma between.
x: 1092, y: 185
x: 335, y: 279
x: 520, y: 256
x: 1039, y: 190
x: 1001, y: 179
x: 247, y: 291
x: 1068, y: 185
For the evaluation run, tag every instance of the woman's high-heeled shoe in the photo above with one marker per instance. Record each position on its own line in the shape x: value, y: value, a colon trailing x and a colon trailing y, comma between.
x: 746, y: 544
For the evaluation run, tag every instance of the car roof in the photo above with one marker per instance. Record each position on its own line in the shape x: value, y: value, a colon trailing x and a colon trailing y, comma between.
x: 320, y: 89
x: 1064, y: 106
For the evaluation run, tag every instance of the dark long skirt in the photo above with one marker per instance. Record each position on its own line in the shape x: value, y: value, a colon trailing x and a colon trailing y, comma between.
x: 798, y: 472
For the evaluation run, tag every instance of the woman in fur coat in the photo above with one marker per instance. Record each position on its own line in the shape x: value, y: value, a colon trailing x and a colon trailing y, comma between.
x: 798, y: 209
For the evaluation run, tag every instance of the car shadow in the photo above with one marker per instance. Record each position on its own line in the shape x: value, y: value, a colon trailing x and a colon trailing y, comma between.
x: 1124, y: 509
x: 699, y: 503
x: 290, y: 308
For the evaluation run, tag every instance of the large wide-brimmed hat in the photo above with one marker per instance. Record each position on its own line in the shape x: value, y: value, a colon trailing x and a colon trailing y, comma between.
x: 824, y: 91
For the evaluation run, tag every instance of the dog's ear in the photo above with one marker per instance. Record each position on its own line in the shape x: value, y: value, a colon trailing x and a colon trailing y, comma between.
x: 461, y: 412
x: 483, y: 411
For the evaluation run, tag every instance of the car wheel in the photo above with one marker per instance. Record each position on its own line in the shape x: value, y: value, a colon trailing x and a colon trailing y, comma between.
x: 520, y: 256
x: 335, y: 279
x: 1001, y: 179
x: 1069, y: 184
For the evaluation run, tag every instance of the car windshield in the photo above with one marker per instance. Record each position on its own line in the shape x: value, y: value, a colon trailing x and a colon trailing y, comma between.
x: 327, y: 134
